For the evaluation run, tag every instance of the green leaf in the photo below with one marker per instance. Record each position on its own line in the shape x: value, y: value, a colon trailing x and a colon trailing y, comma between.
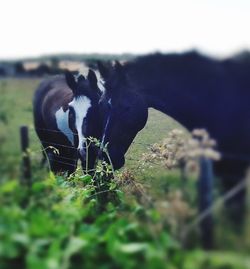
x: 87, y: 179
x: 9, y: 186
x: 112, y: 186
x: 21, y: 238
x: 38, y: 187
x: 75, y: 244
x: 131, y: 248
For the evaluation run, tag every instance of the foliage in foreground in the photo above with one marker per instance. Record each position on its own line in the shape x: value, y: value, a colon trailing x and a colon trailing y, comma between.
x: 64, y: 223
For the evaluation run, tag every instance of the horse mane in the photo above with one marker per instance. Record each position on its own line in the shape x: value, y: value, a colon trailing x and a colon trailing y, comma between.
x: 158, y: 69
x: 46, y: 85
x: 56, y: 86
x: 175, y: 63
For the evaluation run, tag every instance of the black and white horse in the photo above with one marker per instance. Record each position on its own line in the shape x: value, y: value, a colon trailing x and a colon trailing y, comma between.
x: 63, y: 106
x: 197, y: 91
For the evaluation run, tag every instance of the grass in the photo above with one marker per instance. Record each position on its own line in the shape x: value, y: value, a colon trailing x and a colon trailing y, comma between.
x: 16, y: 100
x: 17, y: 97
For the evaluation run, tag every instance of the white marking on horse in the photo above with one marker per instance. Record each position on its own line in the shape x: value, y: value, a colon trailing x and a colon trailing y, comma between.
x: 100, y: 81
x: 100, y: 84
x: 106, y: 126
x: 81, y: 106
x: 63, y: 124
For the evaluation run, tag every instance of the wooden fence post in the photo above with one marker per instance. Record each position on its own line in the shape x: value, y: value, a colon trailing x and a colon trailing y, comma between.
x: 25, y: 168
x: 205, y: 190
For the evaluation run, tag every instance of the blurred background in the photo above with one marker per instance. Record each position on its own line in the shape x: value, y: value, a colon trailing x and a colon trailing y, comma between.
x: 40, y: 38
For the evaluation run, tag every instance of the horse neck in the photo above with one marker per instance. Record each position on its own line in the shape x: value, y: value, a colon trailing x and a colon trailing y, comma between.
x: 181, y: 86
x: 184, y: 107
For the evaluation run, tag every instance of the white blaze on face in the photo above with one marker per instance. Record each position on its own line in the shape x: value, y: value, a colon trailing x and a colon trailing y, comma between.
x: 63, y: 124
x: 81, y: 105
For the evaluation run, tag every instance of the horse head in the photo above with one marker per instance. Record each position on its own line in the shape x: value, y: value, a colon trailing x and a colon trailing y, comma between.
x: 83, y: 115
x: 124, y: 112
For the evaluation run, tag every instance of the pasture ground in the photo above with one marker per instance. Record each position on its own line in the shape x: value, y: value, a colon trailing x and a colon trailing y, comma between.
x: 16, y: 110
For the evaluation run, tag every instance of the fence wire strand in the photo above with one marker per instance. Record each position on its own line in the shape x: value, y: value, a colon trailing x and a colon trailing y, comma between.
x: 220, y: 201
x: 57, y: 144
x: 50, y: 130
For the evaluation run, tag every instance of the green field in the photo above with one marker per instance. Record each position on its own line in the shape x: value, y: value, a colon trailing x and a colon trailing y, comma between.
x: 17, y: 101
x: 17, y: 97
x: 154, y: 186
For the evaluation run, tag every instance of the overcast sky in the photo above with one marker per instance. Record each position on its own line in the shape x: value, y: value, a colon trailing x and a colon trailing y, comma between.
x: 38, y: 27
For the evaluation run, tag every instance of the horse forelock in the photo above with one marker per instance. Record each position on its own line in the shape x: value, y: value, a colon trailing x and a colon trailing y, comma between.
x: 83, y: 71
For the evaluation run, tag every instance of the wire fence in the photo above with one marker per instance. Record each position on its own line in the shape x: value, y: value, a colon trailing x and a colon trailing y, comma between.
x: 147, y: 146
x: 239, y: 157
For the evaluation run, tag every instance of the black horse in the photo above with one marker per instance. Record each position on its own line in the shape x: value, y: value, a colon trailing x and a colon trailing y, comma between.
x: 197, y: 91
x: 63, y: 106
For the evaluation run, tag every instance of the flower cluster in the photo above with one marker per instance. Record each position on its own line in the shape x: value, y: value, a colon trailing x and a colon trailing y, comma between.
x: 175, y: 211
x: 179, y: 150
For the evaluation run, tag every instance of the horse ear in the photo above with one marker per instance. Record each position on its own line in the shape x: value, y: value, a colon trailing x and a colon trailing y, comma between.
x: 120, y: 70
x: 70, y: 80
x: 94, y: 82
x: 80, y: 78
x: 92, y: 79
x: 118, y: 67
x: 104, y: 69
